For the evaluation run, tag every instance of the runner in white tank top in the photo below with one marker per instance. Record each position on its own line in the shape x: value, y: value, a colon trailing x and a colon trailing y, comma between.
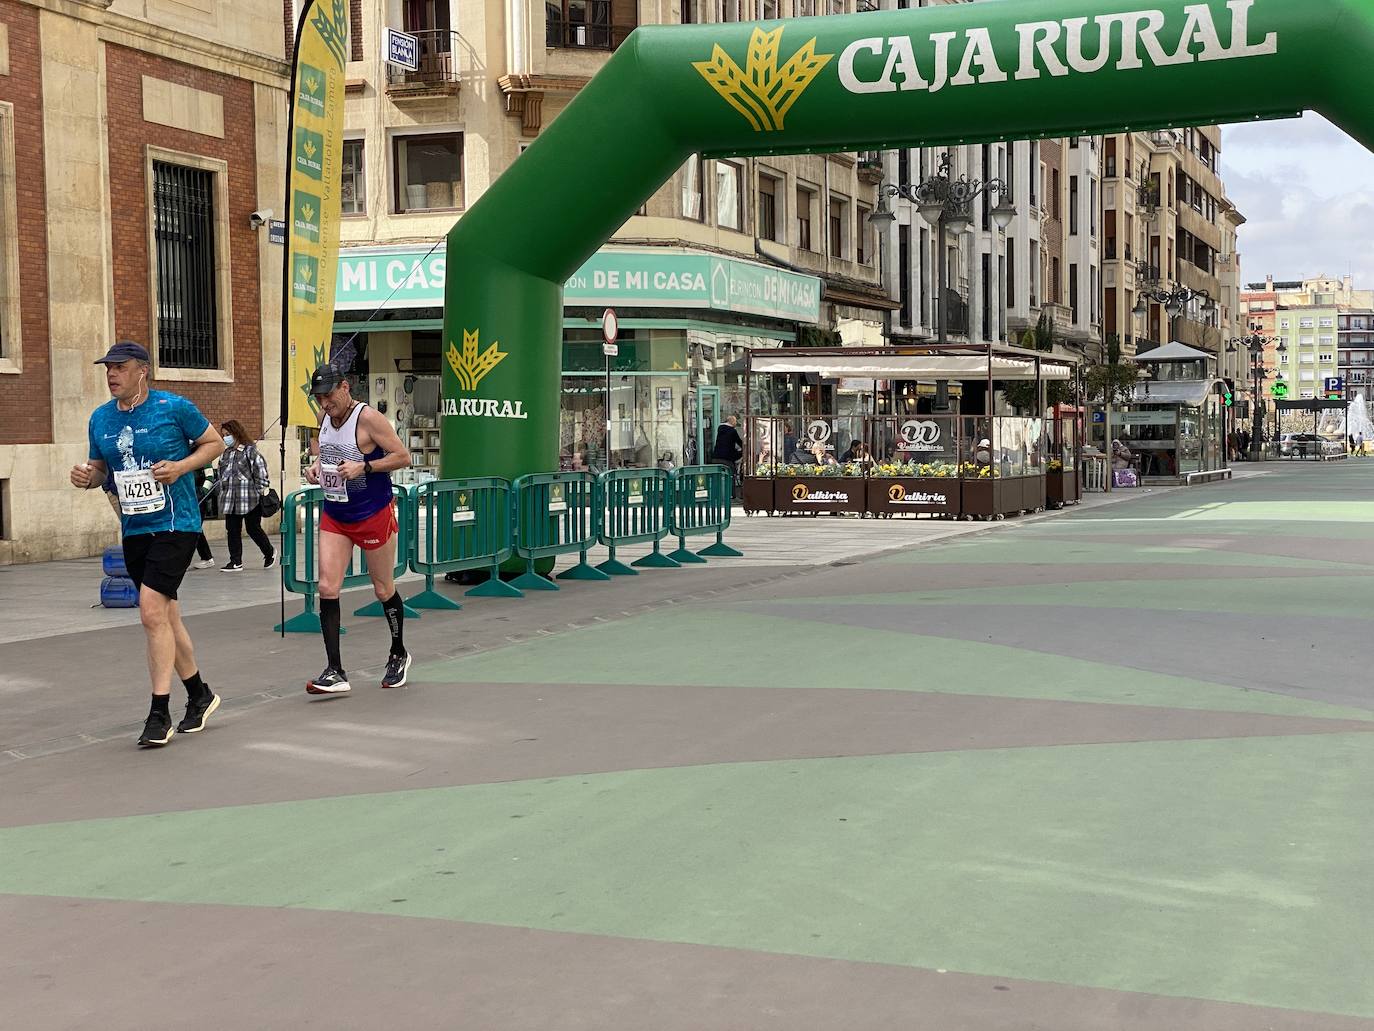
x: 356, y: 453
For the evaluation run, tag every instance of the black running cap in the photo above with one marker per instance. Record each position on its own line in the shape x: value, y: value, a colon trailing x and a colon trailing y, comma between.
x: 326, y: 380
x: 123, y: 352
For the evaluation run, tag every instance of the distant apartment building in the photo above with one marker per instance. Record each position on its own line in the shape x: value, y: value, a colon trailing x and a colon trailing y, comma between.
x: 1326, y: 326
x: 1165, y: 226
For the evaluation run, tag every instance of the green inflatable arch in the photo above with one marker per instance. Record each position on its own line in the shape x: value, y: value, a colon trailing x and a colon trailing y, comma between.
x: 962, y: 73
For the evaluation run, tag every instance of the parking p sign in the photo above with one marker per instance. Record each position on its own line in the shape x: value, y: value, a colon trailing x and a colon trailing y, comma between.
x: 402, y: 50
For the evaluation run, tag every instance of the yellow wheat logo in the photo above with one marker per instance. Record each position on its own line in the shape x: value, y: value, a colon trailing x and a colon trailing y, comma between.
x: 312, y: 84
x: 308, y: 212
x: 309, y: 149
x: 761, y: 92
x: 305, y: 273
x: 470, y: 367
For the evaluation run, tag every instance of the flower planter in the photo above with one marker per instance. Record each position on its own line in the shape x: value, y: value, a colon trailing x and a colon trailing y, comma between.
x: 1033, y: 493
x: 818, y: 494
x: 995, y: 497
x: 1063, y: 488
x: 758, y: 494
x: 914, y: 495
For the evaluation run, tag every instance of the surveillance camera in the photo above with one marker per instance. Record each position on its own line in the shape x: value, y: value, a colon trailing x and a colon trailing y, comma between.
x: 260, y: 218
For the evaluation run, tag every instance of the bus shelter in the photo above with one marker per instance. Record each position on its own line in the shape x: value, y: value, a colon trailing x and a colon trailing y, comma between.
x: 900, y: 452
x: 1315, y: 429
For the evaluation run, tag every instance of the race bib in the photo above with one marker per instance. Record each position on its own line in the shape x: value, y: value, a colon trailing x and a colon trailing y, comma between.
x: 333, y: 483
x: 139, y: 493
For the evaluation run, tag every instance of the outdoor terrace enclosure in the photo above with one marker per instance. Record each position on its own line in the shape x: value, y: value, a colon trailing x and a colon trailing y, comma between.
x: 962, y: 73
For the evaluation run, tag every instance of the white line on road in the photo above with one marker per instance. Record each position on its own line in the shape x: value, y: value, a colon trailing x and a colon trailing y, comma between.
x: 399, y: 733
x: 326, y: 755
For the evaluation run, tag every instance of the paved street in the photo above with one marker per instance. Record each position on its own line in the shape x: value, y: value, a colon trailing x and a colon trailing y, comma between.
x: 1104, y: 769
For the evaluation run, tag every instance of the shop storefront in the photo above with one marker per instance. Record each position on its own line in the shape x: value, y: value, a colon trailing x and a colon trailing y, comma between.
x: 688, y: 321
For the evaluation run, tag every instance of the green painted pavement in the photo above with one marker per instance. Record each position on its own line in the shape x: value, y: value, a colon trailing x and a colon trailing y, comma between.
x: 1023, y: 551
x: 1331, y: 597
x: 742, y: 649
x: 1210, y: 869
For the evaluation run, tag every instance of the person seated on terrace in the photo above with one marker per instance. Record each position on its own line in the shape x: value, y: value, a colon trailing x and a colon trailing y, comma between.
x: 1122, y: 458
x: 820, y: 456
x: 853, y: 451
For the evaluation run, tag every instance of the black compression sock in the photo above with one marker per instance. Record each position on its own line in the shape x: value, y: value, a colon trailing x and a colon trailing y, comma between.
x: 161, y: 703
x: 196, y: 688
x: 329, y: 626
x: 395, y: 619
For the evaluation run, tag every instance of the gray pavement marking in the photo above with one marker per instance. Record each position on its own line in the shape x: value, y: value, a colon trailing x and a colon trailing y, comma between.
x: 570, y: 730
x: 1287, y: 658
x: 86, y: 964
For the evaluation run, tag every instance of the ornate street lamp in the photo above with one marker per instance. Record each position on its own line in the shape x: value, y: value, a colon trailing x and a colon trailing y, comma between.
x: 1255, y: 342
x: 946, y: 203
x: 1175, y: 301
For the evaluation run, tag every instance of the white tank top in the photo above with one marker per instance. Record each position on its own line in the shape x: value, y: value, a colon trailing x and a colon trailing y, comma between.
x: 350, y: 501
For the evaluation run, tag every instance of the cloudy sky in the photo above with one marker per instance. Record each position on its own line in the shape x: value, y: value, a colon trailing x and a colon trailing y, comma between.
x: 1307, y: 192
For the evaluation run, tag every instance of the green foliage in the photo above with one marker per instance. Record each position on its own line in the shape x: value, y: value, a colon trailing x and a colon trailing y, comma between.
x: 1111, y: 383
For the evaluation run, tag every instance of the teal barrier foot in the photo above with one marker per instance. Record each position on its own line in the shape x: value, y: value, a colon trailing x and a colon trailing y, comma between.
x: 533, y: 582
x: 721, y: 550
x: 656, y: 560
x: 684, y: 557
x: 305, y: 623
x: 615, y: 567
x: 432, y: 599
x: 582, y: 571
x: 494, y: 588
x: 375, y: 609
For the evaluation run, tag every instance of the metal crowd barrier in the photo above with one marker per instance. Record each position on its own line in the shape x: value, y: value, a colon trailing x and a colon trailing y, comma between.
x: 556, y: 514
x: 458, y: 525
x: 700, y: 500
x: 300, y: 528
x: 634, y: 510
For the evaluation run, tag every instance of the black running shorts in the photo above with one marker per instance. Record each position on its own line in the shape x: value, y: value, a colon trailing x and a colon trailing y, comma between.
x: 160, y: 560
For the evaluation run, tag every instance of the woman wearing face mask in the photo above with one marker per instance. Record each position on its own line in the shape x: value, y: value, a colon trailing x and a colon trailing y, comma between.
x: 242, y: 480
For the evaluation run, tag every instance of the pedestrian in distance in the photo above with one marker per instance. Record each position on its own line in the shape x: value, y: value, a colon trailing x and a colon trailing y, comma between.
x: 152, y: 441
x: 242, y: 481
x: 205, y: 557
x: 729, y: 448
x: 355, y: 454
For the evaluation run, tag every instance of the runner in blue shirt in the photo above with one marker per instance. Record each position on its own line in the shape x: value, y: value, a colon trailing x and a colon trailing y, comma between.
x: 151, y: 442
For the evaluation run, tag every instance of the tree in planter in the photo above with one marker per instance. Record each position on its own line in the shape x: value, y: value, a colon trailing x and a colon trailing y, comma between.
x: 1112, y: 382
x: 1021, y: 396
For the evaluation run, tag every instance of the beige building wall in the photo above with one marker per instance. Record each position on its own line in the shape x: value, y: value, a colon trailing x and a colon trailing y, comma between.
x: 511, y: 85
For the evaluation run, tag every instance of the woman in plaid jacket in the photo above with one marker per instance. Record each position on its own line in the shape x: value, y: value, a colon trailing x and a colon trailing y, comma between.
x: 242, y: 481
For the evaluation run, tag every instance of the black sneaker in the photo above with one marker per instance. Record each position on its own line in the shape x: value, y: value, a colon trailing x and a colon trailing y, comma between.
x: 331, y: 681
x: 397, y: 666
x: 231, y: 567
x: 157, y: 731
x: 269, y: 561
x: 197, y: 712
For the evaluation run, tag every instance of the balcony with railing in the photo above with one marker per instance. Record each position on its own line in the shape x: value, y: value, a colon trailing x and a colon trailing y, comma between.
x: 589, y: 26
x: 438, y: 72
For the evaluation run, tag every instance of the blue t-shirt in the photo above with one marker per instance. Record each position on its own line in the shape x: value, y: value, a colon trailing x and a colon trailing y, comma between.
x: 161, y: 429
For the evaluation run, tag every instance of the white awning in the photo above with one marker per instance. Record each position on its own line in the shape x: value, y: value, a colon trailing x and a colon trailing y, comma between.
x: 917, y: 367
x: 1183, y: 391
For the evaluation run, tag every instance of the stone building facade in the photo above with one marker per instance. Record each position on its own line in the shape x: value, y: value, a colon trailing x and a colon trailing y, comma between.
x: 137, y: 137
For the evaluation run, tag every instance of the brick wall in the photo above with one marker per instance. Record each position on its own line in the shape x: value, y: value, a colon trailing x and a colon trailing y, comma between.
x: 355, y: 28
x: 26, y: 398
x: 129, y: 136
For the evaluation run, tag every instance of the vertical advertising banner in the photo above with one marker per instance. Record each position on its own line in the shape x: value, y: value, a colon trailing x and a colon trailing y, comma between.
x: 314, y: 156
